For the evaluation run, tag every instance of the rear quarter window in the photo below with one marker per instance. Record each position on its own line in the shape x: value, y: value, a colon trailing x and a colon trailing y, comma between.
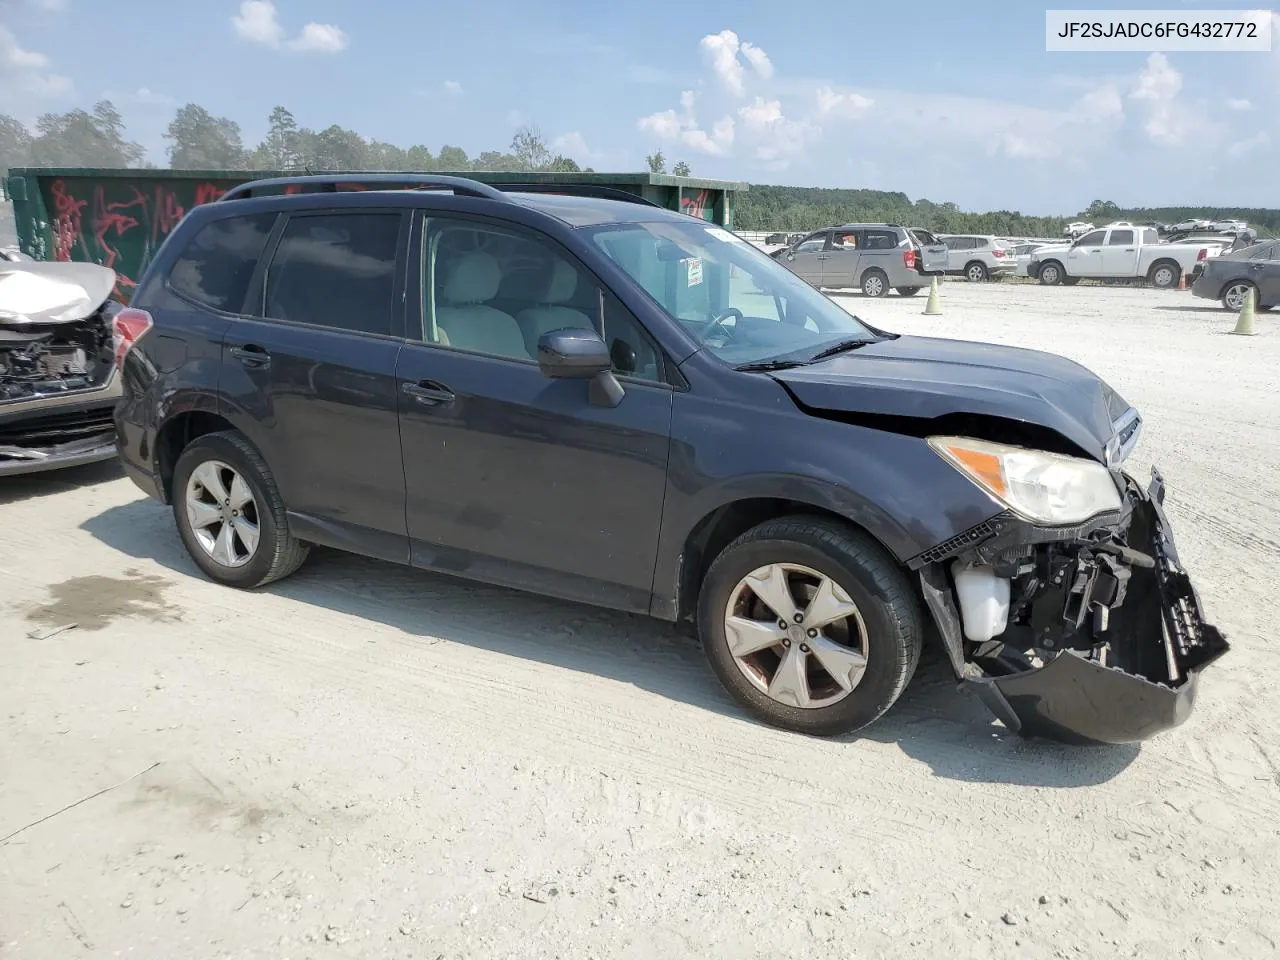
x: 215, y: 267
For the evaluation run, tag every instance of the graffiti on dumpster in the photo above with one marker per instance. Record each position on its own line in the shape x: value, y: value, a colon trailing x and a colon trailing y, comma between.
x: 121, y: 223
x: 698, y: 204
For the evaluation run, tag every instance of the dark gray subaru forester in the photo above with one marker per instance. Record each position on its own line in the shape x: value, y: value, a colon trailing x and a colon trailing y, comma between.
x: 593, y: 398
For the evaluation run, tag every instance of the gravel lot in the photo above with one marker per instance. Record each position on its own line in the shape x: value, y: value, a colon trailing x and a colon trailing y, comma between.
x: 365, y: 761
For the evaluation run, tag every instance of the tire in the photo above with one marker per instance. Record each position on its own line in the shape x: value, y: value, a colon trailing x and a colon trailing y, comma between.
x: 874, y: 283
x: 1164, y: 274
x: 976, y: 271
x: 1234, y: 293
x: 908, y: 291
x: 889, y: 609
x: 276, y: 553
x: 1050, y: 273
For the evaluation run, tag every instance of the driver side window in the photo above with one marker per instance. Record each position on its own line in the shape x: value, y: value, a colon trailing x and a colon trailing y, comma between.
x: 812, y: 244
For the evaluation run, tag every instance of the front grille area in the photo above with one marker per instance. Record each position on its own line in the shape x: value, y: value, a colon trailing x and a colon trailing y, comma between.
x: 54, y: 429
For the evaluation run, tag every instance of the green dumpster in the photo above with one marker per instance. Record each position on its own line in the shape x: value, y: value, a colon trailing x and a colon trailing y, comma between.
x: 119, y: 218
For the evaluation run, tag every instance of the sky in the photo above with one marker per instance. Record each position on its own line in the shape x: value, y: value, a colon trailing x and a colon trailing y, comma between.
x: 941, y: 100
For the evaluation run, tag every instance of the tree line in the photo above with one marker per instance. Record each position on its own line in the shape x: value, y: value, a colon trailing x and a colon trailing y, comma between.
x: 198, y: 140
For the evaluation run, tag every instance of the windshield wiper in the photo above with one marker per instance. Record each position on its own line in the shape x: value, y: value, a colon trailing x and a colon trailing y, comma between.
x: 769, y: 365
x: 835, y: 348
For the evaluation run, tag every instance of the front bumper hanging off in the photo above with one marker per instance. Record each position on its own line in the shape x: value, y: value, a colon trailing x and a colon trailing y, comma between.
x: 1131, y: 664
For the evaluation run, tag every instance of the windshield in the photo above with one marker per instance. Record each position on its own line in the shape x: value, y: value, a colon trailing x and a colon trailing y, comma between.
x: 739, y: 303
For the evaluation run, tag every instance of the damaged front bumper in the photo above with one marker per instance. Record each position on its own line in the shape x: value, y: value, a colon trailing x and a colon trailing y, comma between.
x: 1106, y: 637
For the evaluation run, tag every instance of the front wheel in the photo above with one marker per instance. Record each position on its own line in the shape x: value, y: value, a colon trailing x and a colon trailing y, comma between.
x: 874, y: 284
x: 230, y: 514
x: 810, y: 625
x: 908, y: 291
x: 1050, y: 273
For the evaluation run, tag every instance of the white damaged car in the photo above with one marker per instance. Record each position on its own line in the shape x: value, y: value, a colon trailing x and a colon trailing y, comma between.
x: 59, y: 379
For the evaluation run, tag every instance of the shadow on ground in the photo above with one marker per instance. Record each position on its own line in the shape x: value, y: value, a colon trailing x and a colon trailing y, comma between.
x: 932, y: 722
x: 51, y: 482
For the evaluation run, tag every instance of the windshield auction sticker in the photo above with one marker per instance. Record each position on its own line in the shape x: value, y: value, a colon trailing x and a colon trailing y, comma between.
x: 695, y: 271
x: 1200, y: 31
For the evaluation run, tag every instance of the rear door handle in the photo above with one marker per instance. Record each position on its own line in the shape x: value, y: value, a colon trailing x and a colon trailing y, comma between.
x: 823, y: 256
x: 428, y: 392
x: 251, y: 355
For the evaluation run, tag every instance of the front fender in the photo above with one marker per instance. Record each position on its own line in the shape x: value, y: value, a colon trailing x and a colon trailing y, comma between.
x: 891, y: 485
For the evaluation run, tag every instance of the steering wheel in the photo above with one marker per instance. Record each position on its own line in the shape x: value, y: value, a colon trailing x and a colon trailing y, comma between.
x: 718, y: 321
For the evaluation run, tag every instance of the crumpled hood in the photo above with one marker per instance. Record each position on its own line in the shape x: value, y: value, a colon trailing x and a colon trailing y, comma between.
x: 928, y: 377
x: 38, y: 292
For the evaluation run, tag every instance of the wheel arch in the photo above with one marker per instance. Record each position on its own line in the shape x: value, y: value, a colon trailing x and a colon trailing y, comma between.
x: 176, y: 434
x: 725, y: 523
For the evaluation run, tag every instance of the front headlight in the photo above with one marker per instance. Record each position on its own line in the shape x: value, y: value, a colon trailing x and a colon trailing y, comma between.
x: 1045, y: 488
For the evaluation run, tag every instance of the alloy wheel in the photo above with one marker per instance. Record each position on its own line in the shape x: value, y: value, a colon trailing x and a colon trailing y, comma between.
x: 1236, y: 295
x: 796, y: 635
x: 223, y: 513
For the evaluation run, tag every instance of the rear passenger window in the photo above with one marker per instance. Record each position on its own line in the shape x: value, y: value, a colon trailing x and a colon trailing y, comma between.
x: 215, y: 268
x: 335, y: 270
x: 880, y: 239
x: 1120, y: 238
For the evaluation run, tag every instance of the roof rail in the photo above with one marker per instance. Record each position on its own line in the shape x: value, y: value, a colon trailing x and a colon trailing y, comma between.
x: 578, y: 190
x: 388, y: 181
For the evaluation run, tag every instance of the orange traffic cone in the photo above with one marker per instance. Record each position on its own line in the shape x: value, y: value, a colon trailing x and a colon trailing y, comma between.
x: 1182, y: 281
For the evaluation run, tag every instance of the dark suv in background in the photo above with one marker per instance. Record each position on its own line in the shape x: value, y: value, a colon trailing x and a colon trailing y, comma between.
x: 597, y: 399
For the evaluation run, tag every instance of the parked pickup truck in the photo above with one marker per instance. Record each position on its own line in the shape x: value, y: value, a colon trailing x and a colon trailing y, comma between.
x: 1118, y: 253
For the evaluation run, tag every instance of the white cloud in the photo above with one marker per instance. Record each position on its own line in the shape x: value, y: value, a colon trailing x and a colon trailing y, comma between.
x: 452, y: 87
x: 1158, y: 80
x: 683, y: 126
x: 14, y: 58
x: 258, y: 22
x: 842, y: 104
x: 319, y: 38
x: 572, y: 144
x: 721, y: 52
x: 761, y: 114
x: 1242, y: 147
x: 758, y: 59
x: 22, y: 76
x: 1169, y: 122
x: 1238, y: 105
x: 1102, y: 105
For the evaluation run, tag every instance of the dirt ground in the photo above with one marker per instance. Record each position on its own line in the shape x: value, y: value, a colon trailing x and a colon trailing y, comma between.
x: 366, y: 761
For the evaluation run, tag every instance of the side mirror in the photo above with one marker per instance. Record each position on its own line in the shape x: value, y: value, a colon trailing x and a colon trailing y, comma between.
x: 580, y: 354
x: 572, y: 354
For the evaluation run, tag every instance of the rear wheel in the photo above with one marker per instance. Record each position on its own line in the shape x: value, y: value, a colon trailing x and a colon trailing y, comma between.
x: 810, y: 625
x: 230, y: 514
x: 1164, y: 275
x: 908, y: 291
x: 1234, y: 296
x: 875, y: 283
x: 976, y: 271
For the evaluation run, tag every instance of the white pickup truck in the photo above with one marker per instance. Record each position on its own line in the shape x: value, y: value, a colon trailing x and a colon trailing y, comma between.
x: 1119, y: 251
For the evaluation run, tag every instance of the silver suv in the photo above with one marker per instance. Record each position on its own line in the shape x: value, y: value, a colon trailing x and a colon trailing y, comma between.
x: 980, y: 258
x: 875, y: 257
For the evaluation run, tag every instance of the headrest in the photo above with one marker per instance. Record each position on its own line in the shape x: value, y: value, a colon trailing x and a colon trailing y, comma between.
x: 474, y: 278
x: 562, y: 282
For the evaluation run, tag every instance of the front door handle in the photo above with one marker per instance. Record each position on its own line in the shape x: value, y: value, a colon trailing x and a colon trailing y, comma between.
x: 251, y: 355
x: 823, y: 256
x: 428, y: 392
